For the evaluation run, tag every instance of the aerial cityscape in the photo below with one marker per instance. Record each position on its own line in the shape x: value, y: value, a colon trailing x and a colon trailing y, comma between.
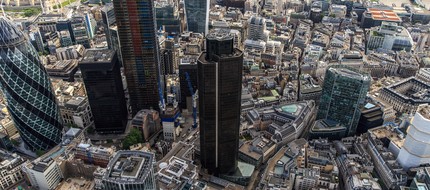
x: 215, y: 94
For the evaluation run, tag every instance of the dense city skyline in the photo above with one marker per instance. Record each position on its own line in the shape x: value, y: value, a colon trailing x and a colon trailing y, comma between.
x: 215, y: 94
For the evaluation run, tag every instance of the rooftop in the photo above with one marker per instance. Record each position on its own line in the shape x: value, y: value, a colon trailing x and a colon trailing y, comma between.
x: 385, y: 15
x: 129, y: 167
x: 95, y: 56
x: 424, y: 110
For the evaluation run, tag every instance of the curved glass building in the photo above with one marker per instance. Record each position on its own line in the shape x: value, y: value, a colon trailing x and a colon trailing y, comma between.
x: 27, y: 90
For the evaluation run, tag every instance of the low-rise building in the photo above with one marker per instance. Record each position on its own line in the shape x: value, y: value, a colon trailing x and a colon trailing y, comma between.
x: 148, y: 122
x: 130, y: 170
x: 44, y: 173
x: 77, y: 112
x: 383, y: 145
x: 96, y: 155
x: 257, y: 151
x: 10, y: 169
x: 406, y: 95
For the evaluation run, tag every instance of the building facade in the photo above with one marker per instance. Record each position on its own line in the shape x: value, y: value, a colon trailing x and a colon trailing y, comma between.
x: 197, y: 14
x: 219, y: 84
x: 30, y: 98
x: 10, y: 169
x: 139, y: 50
x: 130, y: 170
x: 344, y: 92
x: 43, y: 174
x: 416, y: 148
x: 103, y: 82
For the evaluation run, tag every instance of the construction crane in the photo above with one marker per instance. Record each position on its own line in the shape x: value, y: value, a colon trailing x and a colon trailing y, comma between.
x: 195, y: 96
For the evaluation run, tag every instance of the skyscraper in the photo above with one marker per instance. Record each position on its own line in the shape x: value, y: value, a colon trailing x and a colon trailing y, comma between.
x: 102, y: 78
x: 344, y: 93
x: 416, y: 148
x: 197, y: 14
x: 139, y: 47
x: 219, y: 85
x: 28, y: 90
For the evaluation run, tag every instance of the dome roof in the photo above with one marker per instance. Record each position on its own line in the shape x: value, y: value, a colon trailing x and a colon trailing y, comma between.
x: 9, y: 33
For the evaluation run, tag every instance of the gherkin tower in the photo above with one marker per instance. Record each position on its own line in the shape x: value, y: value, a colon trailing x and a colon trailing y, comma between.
x: 27, y: 89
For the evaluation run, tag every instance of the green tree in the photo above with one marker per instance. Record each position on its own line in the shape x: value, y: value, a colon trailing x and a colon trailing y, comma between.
x: 39, y: 153
x: 134, y: 137
x: 14, y: 142
x: 90, y: 130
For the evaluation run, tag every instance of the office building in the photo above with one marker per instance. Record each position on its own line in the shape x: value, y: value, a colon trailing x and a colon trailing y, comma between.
x: 139, y: 50
x: 375, y: 16
x: 186, y: 96
x: 103, y: 82
x: 423, y: 74
x: 130, y: 170
x: 170, y: 124
x: 257, y: 29
x: 389, y: 36
x: 10, y: 169
x: 344, y: 93
x: 383, y: 145
x: 147, y: 122
x: 31, y: 101
x: 406, y: 95
x: 167, y: 17
x: 96, y: 155
x: 43, y: 173
x: 371, y: 116
x: 197, y: 14
x: 77, y: 112
x: 219, y: 84
x: 416, y: 148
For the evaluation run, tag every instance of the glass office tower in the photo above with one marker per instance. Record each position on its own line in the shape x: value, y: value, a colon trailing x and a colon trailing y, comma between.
x: 197, y: 14
x: 28, y: 91
x: 139, y: 50
x: 220, y: 89
x: 344, y: 93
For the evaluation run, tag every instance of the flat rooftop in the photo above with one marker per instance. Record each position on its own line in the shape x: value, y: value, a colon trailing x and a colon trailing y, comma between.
x: 424, y: 110
x: 385, y: 15
x: 95, y: 56
x: 389, y: 132
x: 129, y: 167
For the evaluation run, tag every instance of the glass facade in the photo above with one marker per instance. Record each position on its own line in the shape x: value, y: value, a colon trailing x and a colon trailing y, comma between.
x: 197, y: 13
x: 28, y: 90
x: 139, y: 50
x: 219, y: 84
x: 103, y: 83
x: 343, y: 95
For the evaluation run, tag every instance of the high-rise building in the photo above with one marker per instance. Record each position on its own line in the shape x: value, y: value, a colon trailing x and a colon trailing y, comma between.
x: 219, y: 84
x: 103, y: 82
x: 139, y: 50
x: 197, y: 14
x: 28, y: 90
x: 186, y: 96
x: 344, y: 93
x: 416, y: 148
x: 43, y: 173
x: 167, y: 17
x: 257, y: 29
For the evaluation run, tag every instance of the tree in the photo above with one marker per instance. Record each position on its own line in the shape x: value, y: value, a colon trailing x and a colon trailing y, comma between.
x: 14, y: 142
x: 39, y: 153
x: 134, y: 137
x: 90, y: 130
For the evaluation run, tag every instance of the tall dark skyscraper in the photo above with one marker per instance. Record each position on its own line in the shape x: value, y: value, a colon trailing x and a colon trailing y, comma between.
x: 102, y: 78
x: 28, y: 91
x: 344, y: 93
x: 197, y: 14
x: 139, y: 46
x: 219, y: 85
